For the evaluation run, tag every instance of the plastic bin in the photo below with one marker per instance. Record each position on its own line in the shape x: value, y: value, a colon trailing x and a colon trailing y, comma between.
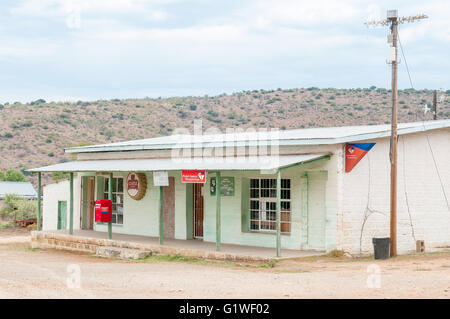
x: 381, y: 247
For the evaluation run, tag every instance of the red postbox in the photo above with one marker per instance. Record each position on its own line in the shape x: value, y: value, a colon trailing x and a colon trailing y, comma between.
x: 103, y: 211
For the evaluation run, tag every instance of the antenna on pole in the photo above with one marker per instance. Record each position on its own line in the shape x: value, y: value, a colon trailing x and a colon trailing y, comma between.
x: 392, y: 20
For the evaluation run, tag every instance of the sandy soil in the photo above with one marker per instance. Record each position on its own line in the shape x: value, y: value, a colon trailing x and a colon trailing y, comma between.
x: 27, y: 273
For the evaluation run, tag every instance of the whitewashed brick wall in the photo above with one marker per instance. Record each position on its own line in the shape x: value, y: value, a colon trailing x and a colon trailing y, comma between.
x: 51, y: 194
x: 428, y: 218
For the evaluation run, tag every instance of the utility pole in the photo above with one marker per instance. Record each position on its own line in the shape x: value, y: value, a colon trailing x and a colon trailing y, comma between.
x: 435, y: 105
x: 393, y: 21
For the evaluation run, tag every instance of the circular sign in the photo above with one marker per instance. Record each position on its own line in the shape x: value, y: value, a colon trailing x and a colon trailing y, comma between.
x: 136, y: 185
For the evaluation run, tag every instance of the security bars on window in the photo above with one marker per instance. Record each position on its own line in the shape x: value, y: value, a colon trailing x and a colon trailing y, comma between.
x: 263, y: 205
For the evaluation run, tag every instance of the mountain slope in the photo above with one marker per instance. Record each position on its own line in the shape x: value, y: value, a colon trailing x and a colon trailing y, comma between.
x: 36, y: 133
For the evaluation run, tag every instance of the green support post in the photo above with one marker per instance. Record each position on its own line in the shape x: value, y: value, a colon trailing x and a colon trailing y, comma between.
x: 161, y: 216
x: 39, y: 212
x: 278, y: 213
x: 110, y: 197
x: 218, y: 218
x: 71, y: 205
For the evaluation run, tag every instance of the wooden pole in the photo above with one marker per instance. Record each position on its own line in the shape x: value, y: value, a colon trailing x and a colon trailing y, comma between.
x: 393, y: 21
x: 71, y: 205
x: 218, y: 212
x: 393, y: 202
x: 39, y: 212
x: 435, y: 105
x: 278, y: 213
x: 110, y: 197
x: 161, y: 216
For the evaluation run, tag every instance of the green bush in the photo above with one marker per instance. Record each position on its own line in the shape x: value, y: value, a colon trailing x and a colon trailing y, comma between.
x: 24, y: 208
x: 12, y: 175
x: 57, y: 176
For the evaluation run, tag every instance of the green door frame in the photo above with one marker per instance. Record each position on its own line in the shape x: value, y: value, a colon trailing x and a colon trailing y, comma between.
x: 62, y: 214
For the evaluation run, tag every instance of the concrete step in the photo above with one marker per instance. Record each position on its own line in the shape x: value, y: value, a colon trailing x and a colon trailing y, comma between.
x: 121, y: 253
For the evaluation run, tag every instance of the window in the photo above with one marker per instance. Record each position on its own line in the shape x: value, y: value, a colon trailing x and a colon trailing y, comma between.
x: 117, y: 199
x: 263, y: 205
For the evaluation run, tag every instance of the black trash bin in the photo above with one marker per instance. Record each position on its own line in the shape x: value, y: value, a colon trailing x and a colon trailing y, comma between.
x: 381, y: 247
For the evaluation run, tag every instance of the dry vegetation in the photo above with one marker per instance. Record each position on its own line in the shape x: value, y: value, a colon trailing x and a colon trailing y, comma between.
x: 36, y: 133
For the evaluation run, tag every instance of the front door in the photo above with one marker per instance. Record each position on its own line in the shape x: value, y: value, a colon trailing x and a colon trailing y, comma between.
x: 169, y: 209
x: 62, y: 214
x: 91, y: 203
x: 87, y: 202
x: 198, y: 210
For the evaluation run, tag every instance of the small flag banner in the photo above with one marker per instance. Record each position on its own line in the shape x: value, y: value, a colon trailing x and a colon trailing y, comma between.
x: 354, y: 153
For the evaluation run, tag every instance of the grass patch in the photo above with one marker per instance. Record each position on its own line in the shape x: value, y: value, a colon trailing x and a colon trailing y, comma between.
x: 184, y: 259
x: 270, y: 264
x: 423, y: 269
x: 6, y: 225
x: 335, y: 253
x: 294, y: 271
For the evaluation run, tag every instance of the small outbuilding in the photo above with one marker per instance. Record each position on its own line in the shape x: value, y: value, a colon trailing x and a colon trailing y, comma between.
x: 21, y: 189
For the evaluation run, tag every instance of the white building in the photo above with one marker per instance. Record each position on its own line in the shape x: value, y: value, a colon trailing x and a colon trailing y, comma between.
x: 323, y: 207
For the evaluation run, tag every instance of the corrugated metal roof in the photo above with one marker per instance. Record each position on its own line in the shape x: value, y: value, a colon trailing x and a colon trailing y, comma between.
x: 312, y: 136
x: 23, y: 189
x: 170, y: 164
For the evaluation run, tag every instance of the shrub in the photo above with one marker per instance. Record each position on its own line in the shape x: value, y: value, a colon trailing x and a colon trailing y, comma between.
x: 192, y: 107
x: 213, y: 113
x: 57, y: 176
x: 12, y: 175
x: 8, y: 135
x: 24, y: 208
x: 182, y: 114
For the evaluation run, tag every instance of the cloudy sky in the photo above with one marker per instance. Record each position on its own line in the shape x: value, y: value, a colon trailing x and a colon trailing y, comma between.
x: 101, y: 49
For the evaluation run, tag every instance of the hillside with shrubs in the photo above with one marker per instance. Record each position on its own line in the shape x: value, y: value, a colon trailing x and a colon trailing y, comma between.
x: 36, y: 133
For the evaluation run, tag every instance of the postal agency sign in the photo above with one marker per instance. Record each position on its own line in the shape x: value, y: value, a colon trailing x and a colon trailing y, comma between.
x: 136, y: 185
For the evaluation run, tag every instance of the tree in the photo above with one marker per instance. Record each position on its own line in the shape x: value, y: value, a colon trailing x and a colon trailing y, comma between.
x: 12, y: 175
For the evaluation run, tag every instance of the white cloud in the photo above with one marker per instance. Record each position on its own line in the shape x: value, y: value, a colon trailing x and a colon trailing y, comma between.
x: 57, y: 8
x: 262, y: 44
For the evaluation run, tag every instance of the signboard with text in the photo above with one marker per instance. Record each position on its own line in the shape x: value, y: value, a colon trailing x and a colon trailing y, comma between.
x: 226, y: 186
x: 136, y: 185
x: 160, y: 178
x: 193, y: 176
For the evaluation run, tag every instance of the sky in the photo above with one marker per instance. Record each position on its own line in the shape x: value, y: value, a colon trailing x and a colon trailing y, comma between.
x: 68, y: 50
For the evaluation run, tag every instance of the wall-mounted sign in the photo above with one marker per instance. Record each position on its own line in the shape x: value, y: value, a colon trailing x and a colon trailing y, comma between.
x: 354, y: 153
x: 160, y: 178
x: 193, y: 176
x: 136, y: 185
x: 226, y: 186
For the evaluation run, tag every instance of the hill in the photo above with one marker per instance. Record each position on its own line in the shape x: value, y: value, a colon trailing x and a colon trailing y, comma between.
x: 36, y: 133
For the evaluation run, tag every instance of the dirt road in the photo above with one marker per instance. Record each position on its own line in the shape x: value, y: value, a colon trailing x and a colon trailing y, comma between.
x: 27, y: 273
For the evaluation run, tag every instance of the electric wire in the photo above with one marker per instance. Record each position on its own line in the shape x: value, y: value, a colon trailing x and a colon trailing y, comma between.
x: 425, y: 131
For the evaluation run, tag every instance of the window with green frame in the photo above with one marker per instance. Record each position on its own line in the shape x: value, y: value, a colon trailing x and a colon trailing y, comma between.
x: 117, y: 199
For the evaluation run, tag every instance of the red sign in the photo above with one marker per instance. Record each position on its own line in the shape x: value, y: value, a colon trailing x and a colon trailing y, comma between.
x: 354, y: 153
x: 103, y: 211
x: 193, y: 176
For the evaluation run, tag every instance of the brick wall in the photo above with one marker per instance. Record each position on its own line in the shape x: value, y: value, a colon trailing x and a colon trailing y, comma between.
x: 368, y: 185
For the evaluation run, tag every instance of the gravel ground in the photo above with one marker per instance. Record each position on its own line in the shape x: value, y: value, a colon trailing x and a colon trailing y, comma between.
x: 27, y: 273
